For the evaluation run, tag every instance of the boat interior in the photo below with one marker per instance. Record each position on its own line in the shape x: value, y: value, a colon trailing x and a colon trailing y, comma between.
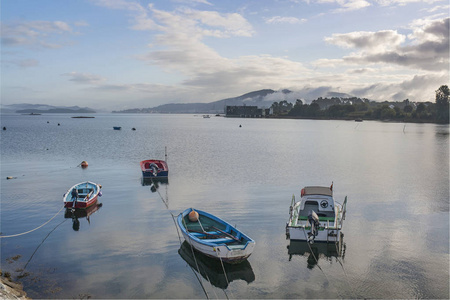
x: 209, y: 230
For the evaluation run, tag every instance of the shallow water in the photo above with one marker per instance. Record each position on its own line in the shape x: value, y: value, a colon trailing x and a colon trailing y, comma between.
x: 396, y: 233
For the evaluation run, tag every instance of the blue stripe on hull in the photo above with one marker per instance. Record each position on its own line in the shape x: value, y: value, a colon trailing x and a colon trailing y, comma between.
x: 150, y: 174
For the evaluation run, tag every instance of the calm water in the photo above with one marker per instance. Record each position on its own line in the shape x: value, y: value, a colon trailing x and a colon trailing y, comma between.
x: 396, y: 177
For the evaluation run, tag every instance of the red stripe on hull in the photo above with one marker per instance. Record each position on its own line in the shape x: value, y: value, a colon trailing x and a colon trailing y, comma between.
x: 82, y: 204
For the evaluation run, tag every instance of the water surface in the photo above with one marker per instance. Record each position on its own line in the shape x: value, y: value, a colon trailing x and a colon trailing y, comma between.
x: 396, y: 177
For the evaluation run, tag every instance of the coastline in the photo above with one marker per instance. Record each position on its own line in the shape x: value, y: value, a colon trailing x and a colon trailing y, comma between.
x: 10, y: 289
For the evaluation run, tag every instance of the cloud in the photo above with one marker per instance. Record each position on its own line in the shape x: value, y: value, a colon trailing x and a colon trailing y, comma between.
x: 418, y: 88
x: 428, y: 47
x: 280, y: 20
x: 403, y: 2
x: 344, y: 5
x: 84, y: 78
x: 33, y: 33
x: 372, y: 41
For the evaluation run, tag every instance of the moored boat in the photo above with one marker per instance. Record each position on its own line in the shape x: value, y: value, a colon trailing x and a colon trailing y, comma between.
x: 82, y: 195
x: 214, y: 237
x: 316, y: 217
x: 117, y: 127
x: 154, y: 168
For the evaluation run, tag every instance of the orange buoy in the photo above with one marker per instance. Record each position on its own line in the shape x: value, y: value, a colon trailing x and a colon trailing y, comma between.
x: 193, y: 216
x: 84, y: 164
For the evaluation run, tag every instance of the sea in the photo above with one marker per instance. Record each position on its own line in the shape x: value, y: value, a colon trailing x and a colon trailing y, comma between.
x: 245, y: 171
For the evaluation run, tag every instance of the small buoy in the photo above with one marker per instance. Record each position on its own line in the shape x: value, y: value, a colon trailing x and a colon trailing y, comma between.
x: 48, y: 122
x: 4, y: 128
x: 84, y: 164
x: 193, y: 216
x: 133, y: 128
x: 58, y: 124
x: 240, y: 125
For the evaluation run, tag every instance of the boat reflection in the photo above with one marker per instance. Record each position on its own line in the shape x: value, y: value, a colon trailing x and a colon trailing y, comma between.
x: 78, y: 213
x: 211, y: 269
x: 316, y: 251
x: 154, y: 183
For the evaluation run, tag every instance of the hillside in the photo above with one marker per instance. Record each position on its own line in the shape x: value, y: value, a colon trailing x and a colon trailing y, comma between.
x: 256, y: 98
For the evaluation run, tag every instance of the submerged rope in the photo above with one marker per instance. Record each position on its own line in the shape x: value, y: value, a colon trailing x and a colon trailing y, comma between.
x: 40, y: 246
x: 317, y: 261
x: 23, y: 233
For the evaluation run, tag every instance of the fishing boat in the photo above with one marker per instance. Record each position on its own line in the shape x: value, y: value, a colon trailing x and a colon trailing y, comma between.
x: 214, y: 237
x: 82, y: 195
x: 316, y: 217
x: 154, y: 168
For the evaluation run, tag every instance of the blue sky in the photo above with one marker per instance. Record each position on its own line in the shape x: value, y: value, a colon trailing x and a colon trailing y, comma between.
x: 118, y: 54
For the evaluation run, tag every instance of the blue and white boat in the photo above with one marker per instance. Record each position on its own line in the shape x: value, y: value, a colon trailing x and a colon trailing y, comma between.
x: 214, y: 237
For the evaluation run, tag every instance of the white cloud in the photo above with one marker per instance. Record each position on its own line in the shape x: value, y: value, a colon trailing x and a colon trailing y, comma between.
x: 33, y: 33
x: 370, y: 41
x: 84, y: 78
x: 428, y: 48
x: 280, y: 20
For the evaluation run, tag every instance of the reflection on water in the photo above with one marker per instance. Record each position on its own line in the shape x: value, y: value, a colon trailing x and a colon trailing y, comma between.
x: 79, y: 213
x: 317, y: 251
x: 212, y: 270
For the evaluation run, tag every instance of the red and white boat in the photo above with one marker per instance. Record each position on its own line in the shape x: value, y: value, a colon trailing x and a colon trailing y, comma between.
x: 82, y: 195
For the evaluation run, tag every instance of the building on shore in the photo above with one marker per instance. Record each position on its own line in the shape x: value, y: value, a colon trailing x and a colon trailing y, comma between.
x: 246, y: 112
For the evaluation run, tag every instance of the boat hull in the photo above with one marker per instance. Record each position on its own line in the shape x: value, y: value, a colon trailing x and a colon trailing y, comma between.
x: 154, y: 168
x: 88, y: 195
x: 300, y: 233
x: 219, y: 248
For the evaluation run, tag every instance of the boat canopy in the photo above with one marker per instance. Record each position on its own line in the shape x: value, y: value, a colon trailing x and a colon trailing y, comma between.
x: 317, y: 190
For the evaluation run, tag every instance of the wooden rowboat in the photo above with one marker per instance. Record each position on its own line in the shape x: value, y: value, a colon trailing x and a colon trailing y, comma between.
x: 82, y: 195
x: 215, y: 237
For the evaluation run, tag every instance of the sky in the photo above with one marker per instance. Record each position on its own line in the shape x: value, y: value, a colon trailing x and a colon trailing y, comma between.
x: 122, y: 54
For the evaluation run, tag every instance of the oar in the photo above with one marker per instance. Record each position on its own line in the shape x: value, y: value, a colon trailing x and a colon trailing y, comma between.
x: 227, y: 234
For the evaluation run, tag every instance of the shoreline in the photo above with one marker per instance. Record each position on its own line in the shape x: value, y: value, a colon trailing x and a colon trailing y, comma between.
x: 10, y: 289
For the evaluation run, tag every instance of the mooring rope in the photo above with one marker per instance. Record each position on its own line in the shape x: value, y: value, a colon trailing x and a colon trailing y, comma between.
x: 195, y: 259
x: 345, y: 272
x: 40, y: 246
x: 317, y: 261
x: 23, y: 233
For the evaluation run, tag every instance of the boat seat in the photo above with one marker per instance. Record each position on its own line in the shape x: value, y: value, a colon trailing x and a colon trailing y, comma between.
x: 217, y: 241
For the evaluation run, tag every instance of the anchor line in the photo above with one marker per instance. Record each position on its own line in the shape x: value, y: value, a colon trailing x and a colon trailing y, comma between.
x: 195, y: 259
x: 167, y: 206
x: 23, y: 233
x: 40, y: 246
x: 345, y: 272
x: 317, y: 261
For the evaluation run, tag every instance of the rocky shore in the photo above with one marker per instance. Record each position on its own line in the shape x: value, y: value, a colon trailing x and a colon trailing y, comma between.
x: 10, y: 289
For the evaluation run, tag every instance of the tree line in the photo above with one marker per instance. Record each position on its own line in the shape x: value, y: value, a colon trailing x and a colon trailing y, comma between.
x: 357, y: 108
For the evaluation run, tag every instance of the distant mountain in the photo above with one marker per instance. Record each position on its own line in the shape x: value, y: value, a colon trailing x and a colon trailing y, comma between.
x: 25, y: 108
x: 259, y: 98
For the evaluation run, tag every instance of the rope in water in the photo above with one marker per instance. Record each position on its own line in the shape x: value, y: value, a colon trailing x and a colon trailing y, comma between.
x: 345, y: 272
x: 317, y: 261
x: 23, y: 233
x: 40, y: 246
x: 196, y: 264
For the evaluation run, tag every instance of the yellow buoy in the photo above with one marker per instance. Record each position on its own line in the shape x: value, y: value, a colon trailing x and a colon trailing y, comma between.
x: 193, y: 216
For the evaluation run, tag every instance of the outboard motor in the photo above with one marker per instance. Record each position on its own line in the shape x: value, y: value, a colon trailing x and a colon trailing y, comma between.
x: 313, y: 219
x: 154, y: 169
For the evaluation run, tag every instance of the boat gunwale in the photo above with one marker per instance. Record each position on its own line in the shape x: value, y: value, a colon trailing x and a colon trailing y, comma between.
x: 215, y: 218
